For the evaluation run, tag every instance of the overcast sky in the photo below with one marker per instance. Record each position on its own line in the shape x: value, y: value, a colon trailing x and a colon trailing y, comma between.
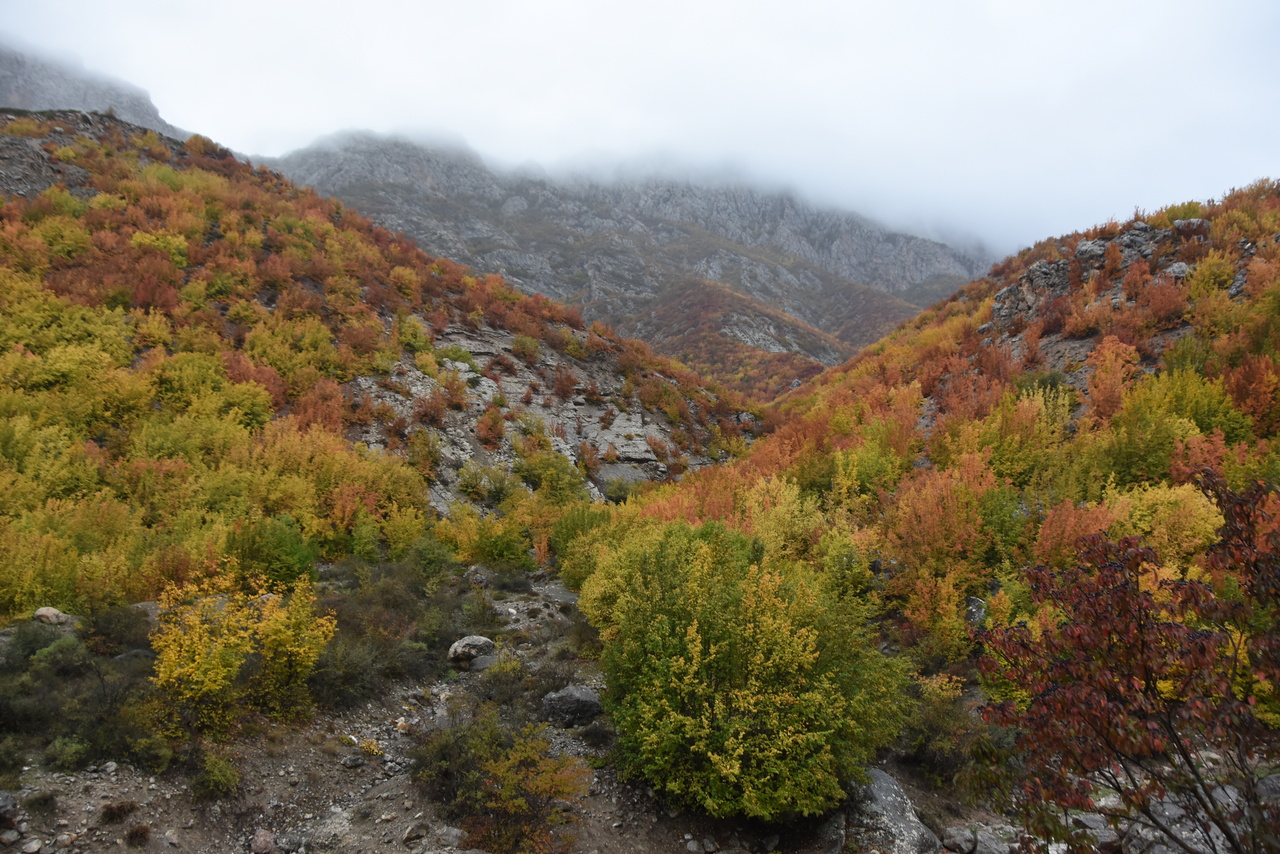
x: 1009, y: 120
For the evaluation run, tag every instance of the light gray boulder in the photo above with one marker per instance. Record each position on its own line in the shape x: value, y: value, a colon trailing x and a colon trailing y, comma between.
x: 466, y: 650
x: 884, y: 818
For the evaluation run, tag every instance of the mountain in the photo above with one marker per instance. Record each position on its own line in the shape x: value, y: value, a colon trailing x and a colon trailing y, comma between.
x: 30, y: 82
x: 619, y: 248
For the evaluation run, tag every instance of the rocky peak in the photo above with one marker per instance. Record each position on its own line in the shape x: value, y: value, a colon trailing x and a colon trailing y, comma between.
x: 29, y: 82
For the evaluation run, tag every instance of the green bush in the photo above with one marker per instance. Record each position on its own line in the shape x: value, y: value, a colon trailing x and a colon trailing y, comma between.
x: 216, y: 778
x: 737, y: 690
x: 66, y: 753
x: 506, y: 787
x: 272, y: 549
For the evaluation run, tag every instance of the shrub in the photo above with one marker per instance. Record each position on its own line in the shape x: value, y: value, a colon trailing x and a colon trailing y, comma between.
x: 117, y: 812
x: 525, y: 349
x: 490, y: 427
x: 506, y: 787
x: 734, y: 689
x: 271, y: 551
x: 216, y: 778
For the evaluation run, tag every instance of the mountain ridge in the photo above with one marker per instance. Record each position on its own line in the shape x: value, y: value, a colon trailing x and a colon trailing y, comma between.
x: 614, y: 248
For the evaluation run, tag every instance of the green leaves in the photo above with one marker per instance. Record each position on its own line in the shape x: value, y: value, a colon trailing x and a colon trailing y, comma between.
x: 735, y: 689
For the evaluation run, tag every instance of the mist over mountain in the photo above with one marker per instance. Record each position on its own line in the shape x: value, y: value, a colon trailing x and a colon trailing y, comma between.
x: 806, y: 286
x: 623, y: 249
x: 32, y: 82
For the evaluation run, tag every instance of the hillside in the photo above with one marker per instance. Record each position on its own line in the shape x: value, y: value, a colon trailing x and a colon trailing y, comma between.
x: 177, y: 280
x: 615, y: 248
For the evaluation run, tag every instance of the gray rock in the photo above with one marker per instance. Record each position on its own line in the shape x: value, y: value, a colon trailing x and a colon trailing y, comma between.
x: 831, y: 836
x: 972, y: 839
x: 414, y: 832
x: 9, y: 837
x: 1091, y: 252
x: 8, y: 808
x: 1187, y: 228
x: 574, y: 705
x: 51, y: 616
x: 1143, y: 837
x: 484, y: 662
x: 1101, y: 831
x: 465, y: 650
x: 1237, y: 286
x: 449, y: 837
x: 351, y: 761
x: 1269, y: 789
x: 289, y: 843
x: 1178, y: 270
x: 884, y: 818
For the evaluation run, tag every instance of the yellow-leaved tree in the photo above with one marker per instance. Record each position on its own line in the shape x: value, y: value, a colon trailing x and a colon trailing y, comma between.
x: 218, y: 648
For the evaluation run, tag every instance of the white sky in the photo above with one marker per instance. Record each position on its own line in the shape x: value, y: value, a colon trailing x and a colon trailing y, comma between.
x: 1009, y: 120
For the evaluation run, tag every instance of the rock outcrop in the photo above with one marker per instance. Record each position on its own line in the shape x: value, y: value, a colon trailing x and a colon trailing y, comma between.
x: 884, y: 819
x: 29, y: 82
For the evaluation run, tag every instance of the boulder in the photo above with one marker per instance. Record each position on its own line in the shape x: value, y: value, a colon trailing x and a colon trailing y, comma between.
x: 51, y: 616
x: 973, y: 839
x: 1091, y: 252
x: 1191, y: 228
x: 467, y: 649
x: 1193, y: 831
x: 572, y: 706
x: 884, y: 819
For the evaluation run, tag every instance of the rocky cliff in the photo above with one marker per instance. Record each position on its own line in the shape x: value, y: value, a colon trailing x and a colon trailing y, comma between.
x: 618, y: 248
x: 30, y: 82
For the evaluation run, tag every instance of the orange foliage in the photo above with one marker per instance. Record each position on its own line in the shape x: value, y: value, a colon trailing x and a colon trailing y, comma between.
x: 1114, y: 365
x: 1063, y: 526
x: 321, y: 406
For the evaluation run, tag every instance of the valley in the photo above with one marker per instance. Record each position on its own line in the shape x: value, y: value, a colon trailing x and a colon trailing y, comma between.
x: 359, y: 523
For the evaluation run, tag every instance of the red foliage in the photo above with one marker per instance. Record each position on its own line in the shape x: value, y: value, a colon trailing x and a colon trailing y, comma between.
x: 431, y: 408
x: 1114, y: 364
x: 1148, y: 688
x: 1253, y: 385
x: 565, y: 383
x: 490, y: 427
x: 1063, y: 528
x: 241, y: 369
x: 323, y: 406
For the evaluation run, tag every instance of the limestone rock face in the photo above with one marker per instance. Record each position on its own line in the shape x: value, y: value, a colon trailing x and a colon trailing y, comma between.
x: 885, y: 820
x: 618, y: 248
